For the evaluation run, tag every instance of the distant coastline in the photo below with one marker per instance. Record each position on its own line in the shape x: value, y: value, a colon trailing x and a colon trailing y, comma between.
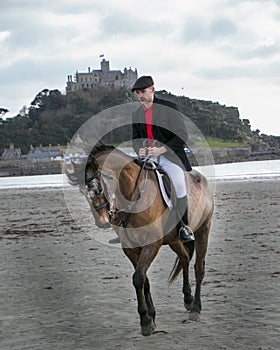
x: 25, y: 167
x: 234, y: 155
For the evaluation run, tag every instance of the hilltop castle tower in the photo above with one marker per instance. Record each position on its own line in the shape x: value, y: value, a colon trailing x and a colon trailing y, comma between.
x: 103, y: 77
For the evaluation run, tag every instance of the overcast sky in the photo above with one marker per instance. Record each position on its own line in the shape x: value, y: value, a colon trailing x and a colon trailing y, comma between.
x: 226, y: 51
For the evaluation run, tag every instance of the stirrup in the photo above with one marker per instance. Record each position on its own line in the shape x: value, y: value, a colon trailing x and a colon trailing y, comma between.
x: 186, y: 234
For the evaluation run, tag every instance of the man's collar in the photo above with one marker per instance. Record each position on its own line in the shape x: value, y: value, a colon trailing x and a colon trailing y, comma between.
x: 147, y: 108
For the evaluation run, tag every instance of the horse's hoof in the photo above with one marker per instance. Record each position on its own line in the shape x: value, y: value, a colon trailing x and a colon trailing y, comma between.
x: 189, y: 305
x: 194, y: 316
x: 148, y: 330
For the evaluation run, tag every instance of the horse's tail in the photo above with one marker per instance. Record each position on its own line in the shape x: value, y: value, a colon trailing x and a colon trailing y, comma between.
x: 175, y: 271
x: 177, y: 265
x: 190, y: 248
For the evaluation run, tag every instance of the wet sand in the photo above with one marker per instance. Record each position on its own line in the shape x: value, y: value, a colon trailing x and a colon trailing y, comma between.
x: 61, y: 289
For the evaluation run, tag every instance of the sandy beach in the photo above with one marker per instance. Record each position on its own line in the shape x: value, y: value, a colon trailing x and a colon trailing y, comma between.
x: 61, y: 289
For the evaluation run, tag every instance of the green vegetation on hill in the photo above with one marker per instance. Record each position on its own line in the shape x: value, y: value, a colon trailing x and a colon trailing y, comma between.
x: 53, y: 118
x: 217, y: 143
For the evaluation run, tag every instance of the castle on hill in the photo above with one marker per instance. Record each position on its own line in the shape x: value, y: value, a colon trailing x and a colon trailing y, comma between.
x: 103, y: 77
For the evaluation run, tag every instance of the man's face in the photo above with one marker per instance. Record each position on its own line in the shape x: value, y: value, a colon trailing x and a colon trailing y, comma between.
x: 146, y: 96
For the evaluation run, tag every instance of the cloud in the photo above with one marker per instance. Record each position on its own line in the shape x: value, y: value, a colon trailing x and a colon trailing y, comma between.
x: 262, y: 51
x: 119, y: 24
x: 197, y: 30
x: 205, y: 46
x: 4, y: 35
x: 268, y: 74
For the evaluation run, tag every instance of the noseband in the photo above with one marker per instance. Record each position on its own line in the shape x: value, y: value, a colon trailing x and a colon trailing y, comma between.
x: 101, y: 175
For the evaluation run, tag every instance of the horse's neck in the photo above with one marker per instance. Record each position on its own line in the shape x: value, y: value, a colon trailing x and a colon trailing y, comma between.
x: 123, y: 169
x: 117, y: 163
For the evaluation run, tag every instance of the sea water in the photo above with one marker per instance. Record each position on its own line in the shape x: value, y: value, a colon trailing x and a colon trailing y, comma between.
x: 34, y: 181
x: 267, y: 169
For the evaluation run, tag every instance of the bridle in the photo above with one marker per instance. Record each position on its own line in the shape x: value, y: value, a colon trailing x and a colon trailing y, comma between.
x: 99, y: 174
x: 110, y: 205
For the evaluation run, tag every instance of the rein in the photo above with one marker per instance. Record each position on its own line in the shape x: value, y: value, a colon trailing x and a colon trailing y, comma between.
x: 93, y: 177
x: 129, y: 209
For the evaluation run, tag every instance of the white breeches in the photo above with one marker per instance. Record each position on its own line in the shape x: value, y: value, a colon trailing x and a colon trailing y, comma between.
x: 177, y: 176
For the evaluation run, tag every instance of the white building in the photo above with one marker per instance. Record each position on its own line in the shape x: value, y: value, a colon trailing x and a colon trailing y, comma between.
x: 11, y: 153
x: 103, y: 77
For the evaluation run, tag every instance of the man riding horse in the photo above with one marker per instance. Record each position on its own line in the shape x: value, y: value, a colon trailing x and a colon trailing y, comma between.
x: 160, y: 122
x: 114, y: 185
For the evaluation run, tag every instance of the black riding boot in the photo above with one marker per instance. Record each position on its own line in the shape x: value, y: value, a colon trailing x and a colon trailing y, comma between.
x: 185, y: 232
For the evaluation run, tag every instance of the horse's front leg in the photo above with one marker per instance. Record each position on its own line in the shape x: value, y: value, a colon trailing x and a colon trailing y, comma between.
x: 142, y: 287
x: 146, y: 320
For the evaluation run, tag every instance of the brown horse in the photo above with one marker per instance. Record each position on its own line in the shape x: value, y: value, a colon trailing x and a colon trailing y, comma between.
x: 126, y: 196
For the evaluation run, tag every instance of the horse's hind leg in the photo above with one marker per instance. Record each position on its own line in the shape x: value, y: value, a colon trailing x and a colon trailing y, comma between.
x: 184, y: 258
x: 149, y: 300
x: 201, y: 244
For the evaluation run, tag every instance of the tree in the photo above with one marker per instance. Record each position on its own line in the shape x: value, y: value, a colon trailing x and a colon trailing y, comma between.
x: 38, y: 101
x: 3, y: 111
x: 23, y: 112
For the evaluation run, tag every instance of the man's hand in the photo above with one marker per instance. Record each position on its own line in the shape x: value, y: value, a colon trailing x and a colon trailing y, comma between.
x: 156, y: 151
x: 142, y: 152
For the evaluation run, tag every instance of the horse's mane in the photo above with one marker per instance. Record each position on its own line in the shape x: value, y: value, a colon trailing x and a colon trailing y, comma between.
x: 78, y: 173
x: 99, y: 148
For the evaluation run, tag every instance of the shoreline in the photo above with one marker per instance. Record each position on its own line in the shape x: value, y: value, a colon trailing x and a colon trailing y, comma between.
x: 228, y: 172
x: 220, y: 156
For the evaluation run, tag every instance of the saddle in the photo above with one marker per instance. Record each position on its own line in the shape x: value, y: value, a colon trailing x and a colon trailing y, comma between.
x: 166, y: 186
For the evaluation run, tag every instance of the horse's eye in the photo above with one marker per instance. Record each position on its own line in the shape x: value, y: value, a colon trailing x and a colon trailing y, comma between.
x: 93, y: 189
x: 91, y: 193
x: 93, y: 185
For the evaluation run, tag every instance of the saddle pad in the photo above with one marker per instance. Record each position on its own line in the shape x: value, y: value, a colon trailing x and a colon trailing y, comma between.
x: 164, y: 194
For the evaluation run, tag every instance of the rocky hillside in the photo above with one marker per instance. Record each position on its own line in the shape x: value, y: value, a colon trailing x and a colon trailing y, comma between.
x: 53, y: 118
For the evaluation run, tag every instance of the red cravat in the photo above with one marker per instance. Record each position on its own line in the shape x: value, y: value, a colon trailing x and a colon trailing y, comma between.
x: 149, y: 125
